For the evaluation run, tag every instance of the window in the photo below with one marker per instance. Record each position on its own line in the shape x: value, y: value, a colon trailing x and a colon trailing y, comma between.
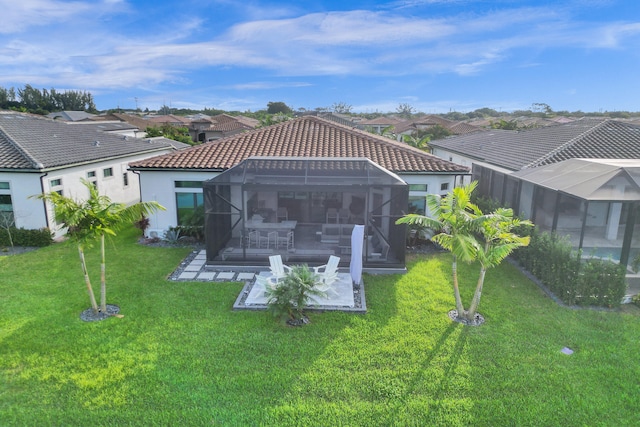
x: 186, y: 204
x: 59, y: 192
x: 91, y: 174
x: 107, y: 172
x: 6, y: 207
x: 418, y: 187
x: 417, y: 204
x: 56, y: 182
x: 444, y: 186
x: 125, y: 179
x: 188, y: 184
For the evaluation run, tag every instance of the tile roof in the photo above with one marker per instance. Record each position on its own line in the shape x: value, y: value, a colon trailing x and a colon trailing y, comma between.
x: 307, y: 136
x: 515, y: 150
x: 35, y: 143
x: 457, y: 128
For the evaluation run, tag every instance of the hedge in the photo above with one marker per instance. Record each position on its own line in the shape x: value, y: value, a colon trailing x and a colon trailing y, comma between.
x: 24, y: 237
x: 575, y: 281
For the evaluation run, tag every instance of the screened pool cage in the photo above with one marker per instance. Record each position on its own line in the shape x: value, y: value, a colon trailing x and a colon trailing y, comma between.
x: 593, y: 203
x: 304, y: 209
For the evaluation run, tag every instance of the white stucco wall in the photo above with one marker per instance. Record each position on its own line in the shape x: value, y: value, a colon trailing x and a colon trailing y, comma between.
x: 159, y: 186
x: 29, y: 213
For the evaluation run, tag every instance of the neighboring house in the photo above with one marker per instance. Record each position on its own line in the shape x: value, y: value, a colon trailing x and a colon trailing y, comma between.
x: 168, y: 119
x: 176, y: 180
x: 379, y: 124
x: 412, y: 126
x: 40, y: 155
x: 71, y: 116
x: 579, y: 179
x: 204, y: 129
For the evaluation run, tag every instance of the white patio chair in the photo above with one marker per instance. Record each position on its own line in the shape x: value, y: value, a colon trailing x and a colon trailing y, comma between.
x: 332, y: 215
x: 285, y: 239
x: 267, y: 238
x: 278, y: 269
x: 328, y: 272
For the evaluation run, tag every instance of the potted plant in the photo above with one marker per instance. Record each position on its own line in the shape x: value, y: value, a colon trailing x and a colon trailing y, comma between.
x: 287, y: 299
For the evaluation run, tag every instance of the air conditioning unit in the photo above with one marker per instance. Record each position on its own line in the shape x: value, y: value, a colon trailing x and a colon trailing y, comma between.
x: 154, y: 233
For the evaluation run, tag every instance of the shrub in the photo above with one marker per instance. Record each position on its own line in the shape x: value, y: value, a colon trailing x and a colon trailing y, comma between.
x: 551, y: 259
x: 288, y: 298
x: 26, y: 237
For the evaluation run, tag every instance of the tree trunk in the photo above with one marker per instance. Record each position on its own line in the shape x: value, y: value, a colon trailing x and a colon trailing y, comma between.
x: 103, y: 282
x: 456, y: 289
x: 476, y: 296
x: 92, y: 297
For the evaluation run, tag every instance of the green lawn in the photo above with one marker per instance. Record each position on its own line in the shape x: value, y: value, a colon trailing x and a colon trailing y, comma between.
x: 182, y: 356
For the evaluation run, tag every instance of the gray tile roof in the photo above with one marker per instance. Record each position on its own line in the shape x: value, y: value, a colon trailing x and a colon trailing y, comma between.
x: 35, y: 143
x: 515, y: 150
x: 307, y: 136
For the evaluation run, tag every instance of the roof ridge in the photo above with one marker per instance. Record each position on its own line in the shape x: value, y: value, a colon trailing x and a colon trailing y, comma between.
x: 379, y: 138
x: 567, y: 144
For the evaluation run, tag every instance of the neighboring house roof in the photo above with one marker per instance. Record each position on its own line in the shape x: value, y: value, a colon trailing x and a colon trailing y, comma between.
x: 425, y: 122
x: 381, y: 121
x: 589, y: 179
x: 107, y: 126
x: 307, y: 136
x: 133, y: 120
x: 515, y: 150
x: 70, y: 116
x: 35, y: 143
x: 462, y: 128
x: 169, y: 119
x: 338, y: 118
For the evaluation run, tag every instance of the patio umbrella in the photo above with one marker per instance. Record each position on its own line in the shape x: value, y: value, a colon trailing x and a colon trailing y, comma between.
x: 357, y: 240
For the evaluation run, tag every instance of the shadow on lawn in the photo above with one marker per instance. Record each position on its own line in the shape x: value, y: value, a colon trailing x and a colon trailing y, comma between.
x: 442, y: 349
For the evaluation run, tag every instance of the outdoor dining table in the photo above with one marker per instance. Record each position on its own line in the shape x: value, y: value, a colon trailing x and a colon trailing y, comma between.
x: 271, y: 226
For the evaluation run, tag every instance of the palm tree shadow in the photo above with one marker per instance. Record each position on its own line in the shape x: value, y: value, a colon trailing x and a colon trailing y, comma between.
x: 440, y: 348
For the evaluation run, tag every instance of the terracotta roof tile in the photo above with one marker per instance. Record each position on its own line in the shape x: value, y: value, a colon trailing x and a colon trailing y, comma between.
x: 307, y: 136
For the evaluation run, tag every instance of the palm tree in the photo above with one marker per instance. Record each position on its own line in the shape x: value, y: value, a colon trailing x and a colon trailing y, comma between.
x: 498, y: 241
x: 469, y: 235
x: 453, y: 218
x: 417, y: 142
x: 92, y: 219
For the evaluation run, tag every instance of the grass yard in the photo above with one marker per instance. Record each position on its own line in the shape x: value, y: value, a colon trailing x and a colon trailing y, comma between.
x: 181, y: 356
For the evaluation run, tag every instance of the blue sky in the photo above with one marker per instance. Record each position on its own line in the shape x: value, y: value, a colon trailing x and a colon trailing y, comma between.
x: 435, y: 55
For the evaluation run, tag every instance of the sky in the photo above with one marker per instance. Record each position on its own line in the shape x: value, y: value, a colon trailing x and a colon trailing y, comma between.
x: 433, y: 55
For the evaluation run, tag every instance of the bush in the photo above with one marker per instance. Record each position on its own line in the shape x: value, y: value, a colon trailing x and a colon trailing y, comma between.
x: 551, y: 259
x: 292, y: 293
x: 26, y: 237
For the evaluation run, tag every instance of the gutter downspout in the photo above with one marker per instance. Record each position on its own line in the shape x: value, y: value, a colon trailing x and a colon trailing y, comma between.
x: 44, y: 202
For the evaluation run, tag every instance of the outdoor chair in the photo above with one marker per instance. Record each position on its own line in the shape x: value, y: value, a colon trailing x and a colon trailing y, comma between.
x: 285, y: 239
x: 344, y: 215
x: 278, y: 269
x: 282, y: 214
x: 268, y: 238
x: 332, y: 215
x: 328, y: 272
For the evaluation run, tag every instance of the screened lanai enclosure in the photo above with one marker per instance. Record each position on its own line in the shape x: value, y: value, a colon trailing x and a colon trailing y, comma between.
x: 305, y: 209
x: 594, y: 203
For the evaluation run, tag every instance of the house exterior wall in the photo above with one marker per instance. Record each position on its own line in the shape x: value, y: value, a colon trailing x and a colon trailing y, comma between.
x: 160, y: 186
x: 30, y: 213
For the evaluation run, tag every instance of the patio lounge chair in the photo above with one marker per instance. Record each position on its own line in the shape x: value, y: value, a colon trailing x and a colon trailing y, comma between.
x: 328, y: 272
x: 278, y: 269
